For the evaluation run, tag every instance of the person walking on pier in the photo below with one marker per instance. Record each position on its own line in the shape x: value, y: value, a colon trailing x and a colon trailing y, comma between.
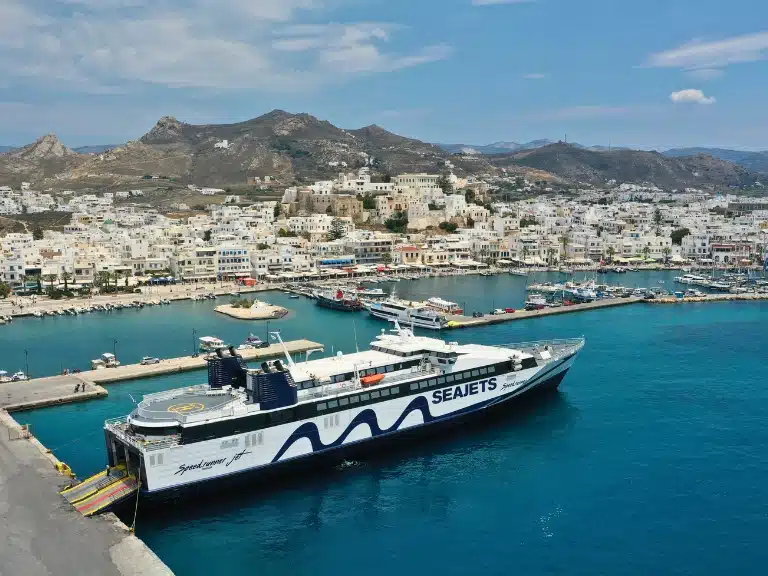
x: 77, y: 388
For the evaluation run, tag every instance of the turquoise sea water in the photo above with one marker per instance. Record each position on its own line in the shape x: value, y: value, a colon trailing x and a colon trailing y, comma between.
x: 650, y: 460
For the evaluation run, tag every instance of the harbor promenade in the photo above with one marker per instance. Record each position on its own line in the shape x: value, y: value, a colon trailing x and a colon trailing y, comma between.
x: 40, y: 534
x: 27, y: 305
x: 54, y: 390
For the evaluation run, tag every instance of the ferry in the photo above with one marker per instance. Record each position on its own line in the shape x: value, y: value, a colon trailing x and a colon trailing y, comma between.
x: 338, y: 301
x: 396, y: 311
x: 251, y: 421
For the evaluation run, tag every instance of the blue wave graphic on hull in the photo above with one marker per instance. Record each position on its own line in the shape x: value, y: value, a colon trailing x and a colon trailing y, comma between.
x: 310, y: 431
x: 368, y: 416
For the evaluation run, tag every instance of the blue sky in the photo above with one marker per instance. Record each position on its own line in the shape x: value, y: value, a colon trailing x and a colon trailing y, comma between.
x: 651, y: 74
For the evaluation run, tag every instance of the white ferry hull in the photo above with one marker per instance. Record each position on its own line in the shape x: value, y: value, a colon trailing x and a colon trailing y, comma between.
x: 338, y: 435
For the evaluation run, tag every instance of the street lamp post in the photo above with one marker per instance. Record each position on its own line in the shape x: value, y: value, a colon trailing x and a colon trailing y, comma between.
x: 114, y: 347
x: 194, y: 339
x: 26, y: 362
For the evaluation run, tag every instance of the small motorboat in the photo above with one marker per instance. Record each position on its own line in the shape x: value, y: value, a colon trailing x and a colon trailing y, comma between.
x: 293, y: 296
x: 371, y: 380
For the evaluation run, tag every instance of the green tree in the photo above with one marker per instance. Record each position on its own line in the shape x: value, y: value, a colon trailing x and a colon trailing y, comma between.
x: 551, y: 255
x: 525, y: 222
x: 262, y: 246
x: 444, y: 183
x: 207, y: 235
x: 564, y: 241
x: 398, y: 223
x: 5, y: 289
x: 283, y: 233
x: 470, y: 222
x: 666, y: 251
x: 277, y: 210
x: 338, y: 229
x: 369, y: 202
x: 469, y: 196
x: 449, y: 227
x: 646, y: 251
x: 611, y: 253
x: 37, y: 233
x: 386, y: 258
x: 657, y: 220
x: 66, y: 277
x: 51, y: 278
x: 678, y: 235
x: 36, y: 279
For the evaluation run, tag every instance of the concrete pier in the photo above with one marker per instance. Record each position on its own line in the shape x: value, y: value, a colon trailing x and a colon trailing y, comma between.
x: 40, y: 534
x: 187, y: 363
x: 469, y: 322
x: 41, y: 392
x: 54, y: 390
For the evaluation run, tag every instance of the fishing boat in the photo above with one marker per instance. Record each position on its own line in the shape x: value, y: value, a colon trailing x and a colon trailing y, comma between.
x: 19, y: 377
x: 245, y: 422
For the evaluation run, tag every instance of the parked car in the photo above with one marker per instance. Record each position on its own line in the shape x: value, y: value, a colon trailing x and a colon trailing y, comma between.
x: 147, y: 360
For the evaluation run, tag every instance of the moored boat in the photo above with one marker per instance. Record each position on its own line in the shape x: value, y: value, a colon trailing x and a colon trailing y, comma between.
x: 245, y: 421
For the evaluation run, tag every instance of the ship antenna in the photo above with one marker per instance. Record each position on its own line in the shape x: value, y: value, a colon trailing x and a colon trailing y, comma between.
x: 276, y: 336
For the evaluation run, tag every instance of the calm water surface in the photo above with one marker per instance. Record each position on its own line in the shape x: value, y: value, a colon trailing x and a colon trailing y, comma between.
x: 651, y: 459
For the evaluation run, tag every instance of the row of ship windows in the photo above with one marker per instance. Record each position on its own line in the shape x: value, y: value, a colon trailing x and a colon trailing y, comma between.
x: 368, y: 372
x: 441, y: 381
x: 322, y: 406
x: 453, y: 378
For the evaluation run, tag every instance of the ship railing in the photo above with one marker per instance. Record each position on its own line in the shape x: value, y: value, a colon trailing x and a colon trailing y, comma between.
x: 351, y: 386
x: 560, y: 347
x: 164, y: 395
x: 119, y: 427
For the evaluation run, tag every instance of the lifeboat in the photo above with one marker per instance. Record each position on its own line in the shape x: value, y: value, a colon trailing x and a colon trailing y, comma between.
x: 372, y: 379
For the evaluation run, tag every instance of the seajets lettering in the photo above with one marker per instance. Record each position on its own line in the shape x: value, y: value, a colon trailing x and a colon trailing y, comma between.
x: 468, y: 389
x: 208, y: 464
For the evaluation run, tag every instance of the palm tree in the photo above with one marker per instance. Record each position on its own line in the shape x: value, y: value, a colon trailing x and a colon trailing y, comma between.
x: 551, y: 255
x: 525, y: 253
x: 666, y: 251
x: 646, y: 251
x: 564, y: 241
x: 51, y: 278
x: 102, y: 278
x: 36, y: 279
x: 611, y: 253
x: 66, y: 277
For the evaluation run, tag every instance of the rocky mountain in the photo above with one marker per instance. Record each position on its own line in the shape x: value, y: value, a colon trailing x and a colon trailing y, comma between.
x: 755, y: 161
x: 47, y: 157
x: 596, y: 167
x: 289, y: 147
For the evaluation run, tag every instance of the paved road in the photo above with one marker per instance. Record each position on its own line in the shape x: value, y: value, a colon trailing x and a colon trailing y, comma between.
x: 41, y: 534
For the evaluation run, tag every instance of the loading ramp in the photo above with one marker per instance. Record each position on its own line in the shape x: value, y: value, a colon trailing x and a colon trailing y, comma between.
x: 101, y: 490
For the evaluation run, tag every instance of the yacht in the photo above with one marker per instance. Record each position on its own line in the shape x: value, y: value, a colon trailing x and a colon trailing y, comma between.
x: 444, y: 306
x: 211, y: 344
x: 246, y: 422
x: 396, y: 311
x: 19, y: 377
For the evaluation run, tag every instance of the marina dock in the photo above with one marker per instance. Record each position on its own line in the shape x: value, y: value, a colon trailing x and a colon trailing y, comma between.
x: 470, y: 322
x: 54, y: 390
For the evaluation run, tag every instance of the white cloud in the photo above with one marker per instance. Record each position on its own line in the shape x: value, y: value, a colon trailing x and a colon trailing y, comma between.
x: 107, y: 45
x: 699, y: 55
x: 691, y: 96
x: 536, y: 76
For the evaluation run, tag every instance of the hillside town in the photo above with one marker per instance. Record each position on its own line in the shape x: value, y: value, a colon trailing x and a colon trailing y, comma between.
x: 356, y: 222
